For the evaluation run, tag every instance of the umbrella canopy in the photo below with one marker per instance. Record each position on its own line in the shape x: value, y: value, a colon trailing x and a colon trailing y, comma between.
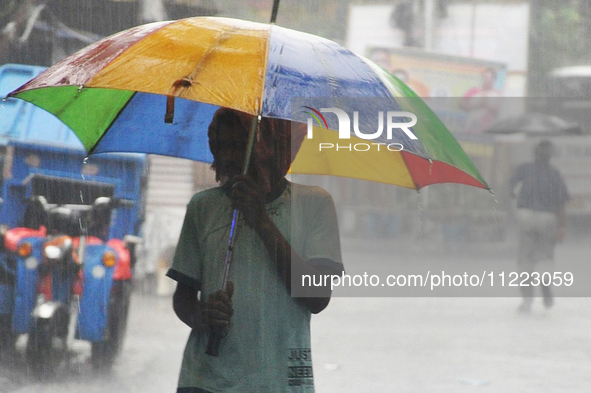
x: 117, y: 93
x: 535, y: 124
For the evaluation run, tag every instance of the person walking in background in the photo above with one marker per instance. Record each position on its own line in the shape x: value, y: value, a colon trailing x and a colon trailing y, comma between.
x: 541, y: 219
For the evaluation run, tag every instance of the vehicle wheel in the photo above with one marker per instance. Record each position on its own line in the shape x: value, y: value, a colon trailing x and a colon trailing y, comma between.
x: 104, y: 352
x: 42, y: 357
x: 7, y: 336
x: 47, y: 343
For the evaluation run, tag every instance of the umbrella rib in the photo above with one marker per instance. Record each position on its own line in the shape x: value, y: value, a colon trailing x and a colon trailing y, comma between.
x: 188, y: 81
x: 408, y: 169
x: 331, y: 81
x: 224, y: 35
x: 92, y: 149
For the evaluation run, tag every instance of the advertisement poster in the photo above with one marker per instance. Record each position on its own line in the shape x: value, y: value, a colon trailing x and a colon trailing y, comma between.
x: 463, y: 91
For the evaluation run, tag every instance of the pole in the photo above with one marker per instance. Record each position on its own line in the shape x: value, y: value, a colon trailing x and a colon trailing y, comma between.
x: 472, y: 29
x: 429, y: 24
x: 275, y: 10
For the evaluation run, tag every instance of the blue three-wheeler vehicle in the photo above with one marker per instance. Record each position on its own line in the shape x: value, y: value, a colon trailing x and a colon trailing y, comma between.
x: 69, y: 226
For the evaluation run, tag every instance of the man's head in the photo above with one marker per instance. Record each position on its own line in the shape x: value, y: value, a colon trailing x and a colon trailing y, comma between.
x: 272, y: 152
x: 228, y: 137
x: 543, y: 151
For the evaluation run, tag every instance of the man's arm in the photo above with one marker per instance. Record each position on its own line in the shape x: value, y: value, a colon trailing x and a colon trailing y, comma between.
x: 187, y: 306
x: 247, y: 197
x: 289, y: 262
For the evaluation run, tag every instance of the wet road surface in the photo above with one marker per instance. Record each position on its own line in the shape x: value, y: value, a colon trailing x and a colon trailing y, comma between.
x: 149, y: 362
x: 404, y: 344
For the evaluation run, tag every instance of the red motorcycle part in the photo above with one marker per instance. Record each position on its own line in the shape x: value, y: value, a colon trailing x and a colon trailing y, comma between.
x: 15, y: 235
x: 123, y: 266
x: 90, y: 240
x: 44, y: 287
x: 78, y: 284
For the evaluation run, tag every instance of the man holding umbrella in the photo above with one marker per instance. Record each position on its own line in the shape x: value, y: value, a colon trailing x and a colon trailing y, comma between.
x: 287, y: 230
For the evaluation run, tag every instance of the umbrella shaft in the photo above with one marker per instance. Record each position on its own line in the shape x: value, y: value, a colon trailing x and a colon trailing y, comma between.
x: 230, y: 251
x: 236, y: 214
x: 275, y: 10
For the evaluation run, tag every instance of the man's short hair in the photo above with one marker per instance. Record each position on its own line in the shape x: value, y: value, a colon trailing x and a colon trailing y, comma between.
x: 225, y: 117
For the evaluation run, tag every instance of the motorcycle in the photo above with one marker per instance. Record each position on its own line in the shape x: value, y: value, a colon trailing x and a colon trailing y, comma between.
x: 66, y: 280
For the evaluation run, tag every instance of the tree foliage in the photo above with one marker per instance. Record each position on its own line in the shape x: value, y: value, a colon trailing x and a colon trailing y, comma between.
x: 560, y: 35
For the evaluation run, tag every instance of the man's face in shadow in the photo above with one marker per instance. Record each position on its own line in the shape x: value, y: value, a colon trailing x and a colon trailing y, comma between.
x: 230, y: 144
x: 271, y: 155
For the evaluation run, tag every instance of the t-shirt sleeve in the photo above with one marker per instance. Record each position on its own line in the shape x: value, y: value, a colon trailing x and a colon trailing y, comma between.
x: 186, y: 264
x: 323, y: 246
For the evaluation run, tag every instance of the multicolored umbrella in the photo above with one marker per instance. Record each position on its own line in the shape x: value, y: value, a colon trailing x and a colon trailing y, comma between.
x: 154, y: 89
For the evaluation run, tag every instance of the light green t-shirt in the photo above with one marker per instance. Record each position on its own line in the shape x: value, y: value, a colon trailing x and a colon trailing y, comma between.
x: 268, y: 346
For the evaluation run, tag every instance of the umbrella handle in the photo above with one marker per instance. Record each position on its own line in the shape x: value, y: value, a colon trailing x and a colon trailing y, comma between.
x: 213, y: 343
x: 176, y: 86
